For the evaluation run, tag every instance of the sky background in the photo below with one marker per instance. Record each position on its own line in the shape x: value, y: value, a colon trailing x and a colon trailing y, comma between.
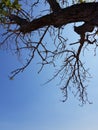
x: 25, y: 104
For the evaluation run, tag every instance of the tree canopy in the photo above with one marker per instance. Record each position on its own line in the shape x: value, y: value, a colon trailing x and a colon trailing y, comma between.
x: 27, y: 24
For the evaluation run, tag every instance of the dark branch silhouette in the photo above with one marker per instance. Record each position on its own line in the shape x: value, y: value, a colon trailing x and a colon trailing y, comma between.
x: 30, y: 36
x: 54, y: 5
x: 18, y: 20
x: 65, y: 16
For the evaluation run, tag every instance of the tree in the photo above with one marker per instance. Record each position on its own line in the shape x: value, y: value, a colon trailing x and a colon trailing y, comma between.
x: 21, y: 26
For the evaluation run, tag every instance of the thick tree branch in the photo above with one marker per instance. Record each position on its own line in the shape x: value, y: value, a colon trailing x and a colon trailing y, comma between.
x: 70, y: 14
x: 54, y: 5
x: 18, y: 20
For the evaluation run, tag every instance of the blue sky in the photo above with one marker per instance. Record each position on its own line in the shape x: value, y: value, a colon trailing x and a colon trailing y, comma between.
x: 25, y: 104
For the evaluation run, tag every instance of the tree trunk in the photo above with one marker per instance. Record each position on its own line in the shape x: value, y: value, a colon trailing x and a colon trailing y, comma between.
x: 76, y: 13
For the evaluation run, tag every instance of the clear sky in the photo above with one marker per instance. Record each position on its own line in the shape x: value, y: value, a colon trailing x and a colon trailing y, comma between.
x: 25, y: 104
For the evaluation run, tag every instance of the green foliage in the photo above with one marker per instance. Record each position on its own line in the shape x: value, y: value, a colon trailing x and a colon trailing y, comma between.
x: 6, y: 7
x: 82, y: 1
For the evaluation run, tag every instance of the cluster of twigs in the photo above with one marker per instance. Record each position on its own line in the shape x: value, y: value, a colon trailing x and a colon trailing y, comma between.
x: 73, y: 74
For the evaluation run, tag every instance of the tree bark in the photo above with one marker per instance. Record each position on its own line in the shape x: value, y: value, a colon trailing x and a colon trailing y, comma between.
x: 76, y: 13
x: 54, y: 5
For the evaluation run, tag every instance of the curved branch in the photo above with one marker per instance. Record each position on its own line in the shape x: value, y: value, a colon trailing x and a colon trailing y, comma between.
x: 64, y: 16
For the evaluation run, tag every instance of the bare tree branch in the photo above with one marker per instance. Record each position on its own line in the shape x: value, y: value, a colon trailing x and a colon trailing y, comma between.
x: 30, y: 35
x: 68, y: 15
x: 54, y: 5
